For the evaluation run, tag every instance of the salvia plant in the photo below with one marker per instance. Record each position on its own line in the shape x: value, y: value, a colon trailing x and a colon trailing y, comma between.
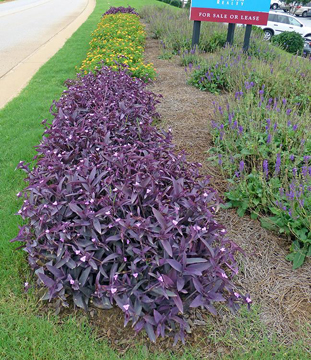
x: 263, y: 146
x: 230, y: 69
x: 113, y: 216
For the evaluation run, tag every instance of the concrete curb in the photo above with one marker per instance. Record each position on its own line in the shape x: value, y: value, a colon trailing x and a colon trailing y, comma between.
x: 18, y: 77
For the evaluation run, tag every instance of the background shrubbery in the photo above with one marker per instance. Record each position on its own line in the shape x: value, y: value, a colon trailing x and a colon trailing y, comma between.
x: 290, y: 41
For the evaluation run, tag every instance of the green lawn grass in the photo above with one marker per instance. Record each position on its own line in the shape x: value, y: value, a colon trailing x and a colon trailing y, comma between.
x: 25, y: 333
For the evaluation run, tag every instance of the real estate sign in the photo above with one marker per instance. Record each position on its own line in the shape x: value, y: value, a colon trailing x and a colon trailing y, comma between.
x: 252, y: 12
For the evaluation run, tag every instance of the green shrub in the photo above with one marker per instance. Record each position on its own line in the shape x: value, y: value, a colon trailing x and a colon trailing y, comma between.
x: 290, y: 41
x: 187, y: 6
x: 176, y: 3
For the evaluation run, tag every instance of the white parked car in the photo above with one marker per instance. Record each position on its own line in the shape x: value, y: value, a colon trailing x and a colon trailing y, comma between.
x: 275, y: 4
x: 279, y: 22
x: 302, y: 10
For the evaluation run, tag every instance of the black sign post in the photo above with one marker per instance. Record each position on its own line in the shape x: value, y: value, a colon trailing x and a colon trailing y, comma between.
x: 196, y: 33
x: 247, y: 36
x: 230, y: 34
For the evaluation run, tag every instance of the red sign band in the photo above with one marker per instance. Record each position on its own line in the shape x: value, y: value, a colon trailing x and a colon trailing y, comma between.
x: 229, y: 16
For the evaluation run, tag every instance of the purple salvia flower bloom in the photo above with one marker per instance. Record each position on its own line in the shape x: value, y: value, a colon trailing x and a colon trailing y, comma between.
x: 292, y: 157
x: 304, y: 170
x: 265, y: 168
x: 269, y: 139
x: 288, y: 111
x: 240, y: 130
x: 219, y: 159
x: 241, y: 167
x: 306, y: 159
x: 295, y: 171
x: 278, y: 163
x: 295, y: 127
x: 284, y: 101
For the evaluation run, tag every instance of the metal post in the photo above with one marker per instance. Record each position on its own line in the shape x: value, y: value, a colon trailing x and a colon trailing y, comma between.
x: 247, y: 37
x: 196, y: 33
x: 230, y: 34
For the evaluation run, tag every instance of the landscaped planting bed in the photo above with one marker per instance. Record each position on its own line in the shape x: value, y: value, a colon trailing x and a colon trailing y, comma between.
x: 115, y: 216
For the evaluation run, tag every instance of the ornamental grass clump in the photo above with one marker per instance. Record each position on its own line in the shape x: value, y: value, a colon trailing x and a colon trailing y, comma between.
x: 265, y: 149
x: 113, y: 216
x: 118, y: 41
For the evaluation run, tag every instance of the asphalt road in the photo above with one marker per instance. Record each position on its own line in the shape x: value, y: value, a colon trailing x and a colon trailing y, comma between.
x: 25, y: 25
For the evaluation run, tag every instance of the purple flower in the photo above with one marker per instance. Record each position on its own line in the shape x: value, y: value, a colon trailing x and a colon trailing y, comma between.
x: 265, y: 168
x: 292, y: 157
x: 219, y: 159
x: 268, y: 124
x: 241, y: 167
x: 240, y: 130
x: 278, y: 163
x: 288, y: 111
x: 269, y: 139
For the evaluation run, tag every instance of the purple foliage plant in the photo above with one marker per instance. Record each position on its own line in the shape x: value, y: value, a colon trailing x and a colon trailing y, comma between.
x: 114, y: 216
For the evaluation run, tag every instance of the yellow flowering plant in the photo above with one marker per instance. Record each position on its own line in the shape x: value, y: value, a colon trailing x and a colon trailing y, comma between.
x: 118, y: 41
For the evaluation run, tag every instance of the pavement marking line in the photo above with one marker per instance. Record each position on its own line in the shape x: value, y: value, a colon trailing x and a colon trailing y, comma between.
x: 14, y: 81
